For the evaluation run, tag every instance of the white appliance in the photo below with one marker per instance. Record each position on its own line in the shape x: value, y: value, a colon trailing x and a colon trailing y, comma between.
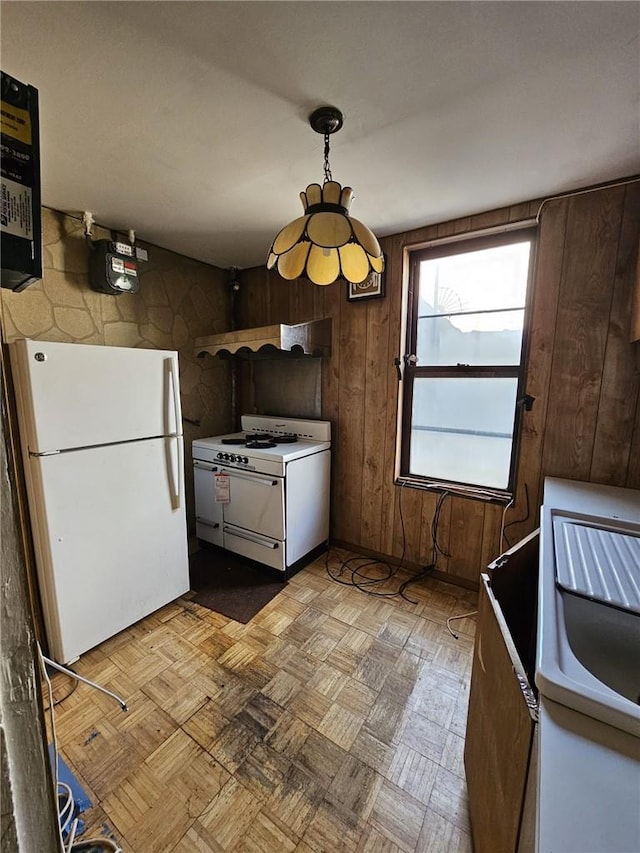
x: 101, y: 435
x: 264, y: 493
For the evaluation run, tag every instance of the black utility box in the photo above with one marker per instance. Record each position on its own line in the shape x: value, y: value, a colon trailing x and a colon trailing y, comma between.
x: 21, y: 221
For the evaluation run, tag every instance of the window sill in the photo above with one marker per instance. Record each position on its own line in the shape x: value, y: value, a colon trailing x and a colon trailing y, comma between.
x: 501, y: 496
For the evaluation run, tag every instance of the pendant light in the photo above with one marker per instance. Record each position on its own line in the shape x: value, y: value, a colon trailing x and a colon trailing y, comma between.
x: 326, y: 243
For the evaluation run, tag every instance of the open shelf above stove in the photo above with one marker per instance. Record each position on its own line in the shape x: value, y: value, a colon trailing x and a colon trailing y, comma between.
x: 312, y: 338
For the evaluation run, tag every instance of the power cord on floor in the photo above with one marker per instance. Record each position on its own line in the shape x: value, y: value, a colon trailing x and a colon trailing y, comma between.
x: 462, y: 616
x: 363, y: 581
x: 70, y: 692
x: 66, y: 804
x: 103, y: 843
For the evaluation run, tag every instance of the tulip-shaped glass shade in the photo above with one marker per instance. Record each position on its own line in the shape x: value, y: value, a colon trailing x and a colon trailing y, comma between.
x: 326, y: 243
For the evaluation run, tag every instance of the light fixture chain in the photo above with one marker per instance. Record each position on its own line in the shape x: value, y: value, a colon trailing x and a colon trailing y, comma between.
x: 314, y: 246
x: 327, y: 167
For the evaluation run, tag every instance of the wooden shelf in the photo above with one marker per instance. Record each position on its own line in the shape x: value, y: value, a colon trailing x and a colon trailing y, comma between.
x: 312, y: 338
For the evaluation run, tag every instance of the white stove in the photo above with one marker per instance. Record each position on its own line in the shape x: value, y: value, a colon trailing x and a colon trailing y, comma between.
x: 264, y: 492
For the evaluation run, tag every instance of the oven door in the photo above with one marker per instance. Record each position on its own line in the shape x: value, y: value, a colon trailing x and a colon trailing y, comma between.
x: 208, y: 512
x: 256, y: 503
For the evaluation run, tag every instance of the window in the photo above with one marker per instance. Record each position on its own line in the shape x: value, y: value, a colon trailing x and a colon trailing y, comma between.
x: 462, y: 388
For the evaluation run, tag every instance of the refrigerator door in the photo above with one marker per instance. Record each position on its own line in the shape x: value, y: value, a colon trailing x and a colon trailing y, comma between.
x: 111, y: 543
x: 76, y: 395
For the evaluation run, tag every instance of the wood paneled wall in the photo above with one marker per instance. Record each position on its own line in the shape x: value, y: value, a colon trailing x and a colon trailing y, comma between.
x: 581, y: 368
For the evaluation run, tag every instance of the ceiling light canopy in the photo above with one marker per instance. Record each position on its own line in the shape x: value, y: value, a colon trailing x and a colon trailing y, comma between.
x: 326, y: 243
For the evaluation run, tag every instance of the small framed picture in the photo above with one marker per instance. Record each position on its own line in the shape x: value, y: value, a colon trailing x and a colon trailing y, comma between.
x: 371, y: 288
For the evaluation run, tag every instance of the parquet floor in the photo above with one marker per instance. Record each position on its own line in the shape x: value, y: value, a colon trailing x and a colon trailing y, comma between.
x: 333, y: 721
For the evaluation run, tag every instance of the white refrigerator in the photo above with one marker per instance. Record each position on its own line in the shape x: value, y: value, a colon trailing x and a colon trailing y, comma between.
x: 101, y: 436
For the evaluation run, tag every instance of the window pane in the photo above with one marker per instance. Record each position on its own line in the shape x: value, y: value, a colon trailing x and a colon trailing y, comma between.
x: 474, y: 281
x: 490, y: 339
x: 462, y: 429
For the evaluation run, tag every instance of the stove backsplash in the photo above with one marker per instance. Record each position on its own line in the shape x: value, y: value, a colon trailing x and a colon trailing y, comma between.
x: 290, y: 387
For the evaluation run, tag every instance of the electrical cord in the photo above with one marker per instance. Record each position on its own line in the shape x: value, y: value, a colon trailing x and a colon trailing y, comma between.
x: 361, y: 581
x: 65, y: 811
x: 54, y: 739
x: 84, y: 680
x: 502, y: 536
x: 516, y: 520
x: 66, y: 804
x: 582, y: 192
x: 462, y: 616
x: 72, y: 835
x: 503, y: 539
x: 435, y: 546
x: 102, y: 843
x: 73, y: 689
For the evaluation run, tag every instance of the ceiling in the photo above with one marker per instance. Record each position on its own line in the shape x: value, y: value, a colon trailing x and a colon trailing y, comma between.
x: 187, y: 121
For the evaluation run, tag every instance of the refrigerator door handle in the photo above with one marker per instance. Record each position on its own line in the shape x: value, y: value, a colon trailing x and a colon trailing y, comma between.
x: 171, y: 367
x: 170, y: 442
x: 178, y: 496
x: 174, y: 483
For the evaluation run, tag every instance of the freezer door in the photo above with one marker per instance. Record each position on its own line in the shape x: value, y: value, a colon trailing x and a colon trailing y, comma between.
x: 76, y: 395
x: 110, y: 538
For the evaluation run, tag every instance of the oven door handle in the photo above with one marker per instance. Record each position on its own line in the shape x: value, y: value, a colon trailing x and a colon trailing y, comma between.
x: 207, y: 466
x: 242, y: 535
x: 213, y: 524
x: 250, y: 478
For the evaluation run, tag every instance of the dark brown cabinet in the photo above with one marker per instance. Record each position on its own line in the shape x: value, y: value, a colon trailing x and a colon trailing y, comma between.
x: 501, y: 737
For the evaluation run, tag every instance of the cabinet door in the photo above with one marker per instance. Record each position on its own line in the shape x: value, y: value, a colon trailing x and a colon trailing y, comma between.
x: 500, y: 727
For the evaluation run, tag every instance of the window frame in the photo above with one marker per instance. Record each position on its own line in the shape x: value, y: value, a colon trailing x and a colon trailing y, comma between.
x: 411, y: 371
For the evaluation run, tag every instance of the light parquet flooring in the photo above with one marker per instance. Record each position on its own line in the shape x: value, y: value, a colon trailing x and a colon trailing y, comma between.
x: 333, y: 721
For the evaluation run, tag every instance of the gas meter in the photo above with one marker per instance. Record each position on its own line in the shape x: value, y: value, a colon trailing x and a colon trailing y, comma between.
x: 113, y: 267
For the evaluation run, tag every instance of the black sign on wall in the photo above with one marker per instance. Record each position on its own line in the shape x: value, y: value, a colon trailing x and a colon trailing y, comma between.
x: 20, y: 220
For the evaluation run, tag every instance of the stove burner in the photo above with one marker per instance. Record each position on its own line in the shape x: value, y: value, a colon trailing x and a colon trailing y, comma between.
x: 259, y: 440
x: 285, y: 439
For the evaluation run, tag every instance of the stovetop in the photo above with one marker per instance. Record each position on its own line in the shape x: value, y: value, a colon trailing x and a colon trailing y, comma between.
x: 265, y: 440
x: 259, y: 440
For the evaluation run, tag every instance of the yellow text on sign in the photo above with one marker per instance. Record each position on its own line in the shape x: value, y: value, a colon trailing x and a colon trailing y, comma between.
x: 16, y: 123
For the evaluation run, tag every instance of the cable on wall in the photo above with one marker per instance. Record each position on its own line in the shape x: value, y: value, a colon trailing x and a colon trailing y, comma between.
x: 504, y: 513
x: 524, y: 518
x: 435, y: 546
x: 583, y: 192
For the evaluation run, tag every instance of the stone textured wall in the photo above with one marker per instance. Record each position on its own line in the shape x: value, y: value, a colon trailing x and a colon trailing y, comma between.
x: 179, y: 300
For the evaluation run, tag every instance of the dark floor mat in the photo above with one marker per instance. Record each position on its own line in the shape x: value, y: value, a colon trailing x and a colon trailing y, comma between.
x: 231, y: 586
